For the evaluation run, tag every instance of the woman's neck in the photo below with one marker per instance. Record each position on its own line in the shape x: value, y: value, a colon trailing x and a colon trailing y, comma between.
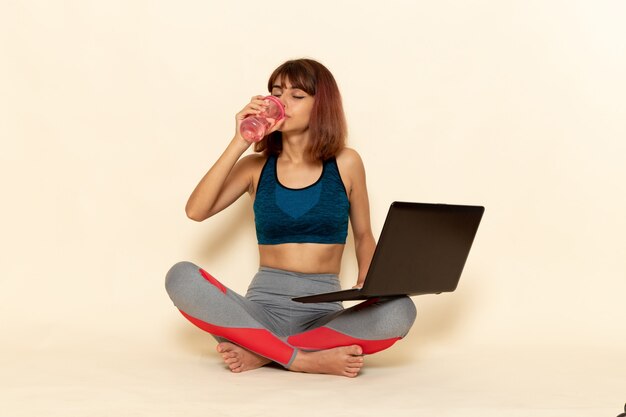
x: 295, y: 147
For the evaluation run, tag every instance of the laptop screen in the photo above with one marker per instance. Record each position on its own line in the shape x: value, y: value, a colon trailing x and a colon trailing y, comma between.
x: 422, y: 248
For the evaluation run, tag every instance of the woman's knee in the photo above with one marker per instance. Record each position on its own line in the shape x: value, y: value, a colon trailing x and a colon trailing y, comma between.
x: 382, y: 318
x: 403, y: 311
x: 179, y: 277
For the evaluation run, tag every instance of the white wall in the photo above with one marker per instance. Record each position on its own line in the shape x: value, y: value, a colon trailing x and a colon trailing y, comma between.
x: 112, y: 111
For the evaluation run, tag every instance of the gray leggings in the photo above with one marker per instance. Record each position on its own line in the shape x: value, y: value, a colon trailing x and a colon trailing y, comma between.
x: 266, y: 321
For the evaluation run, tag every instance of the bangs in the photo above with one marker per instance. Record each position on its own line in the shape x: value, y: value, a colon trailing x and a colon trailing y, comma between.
x: 299, y: 74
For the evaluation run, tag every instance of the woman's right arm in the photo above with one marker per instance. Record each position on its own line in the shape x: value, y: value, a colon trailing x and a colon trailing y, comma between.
x: 225, y: 182
x: 229, y: 177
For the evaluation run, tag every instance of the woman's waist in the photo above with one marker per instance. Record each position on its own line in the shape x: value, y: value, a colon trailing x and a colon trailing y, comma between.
x: 274, y: 282
x: 305, y: 258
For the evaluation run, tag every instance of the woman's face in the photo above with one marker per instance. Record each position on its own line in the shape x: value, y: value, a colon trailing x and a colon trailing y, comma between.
x: 298, y: 106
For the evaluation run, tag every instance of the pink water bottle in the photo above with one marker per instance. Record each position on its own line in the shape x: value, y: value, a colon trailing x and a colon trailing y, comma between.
x: 254, y: 128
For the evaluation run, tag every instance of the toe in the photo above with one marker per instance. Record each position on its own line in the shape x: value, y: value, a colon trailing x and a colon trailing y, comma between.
x: 352, y: 369
x: 230, y: 361
x: 223, y: 347
x: 355, y: 350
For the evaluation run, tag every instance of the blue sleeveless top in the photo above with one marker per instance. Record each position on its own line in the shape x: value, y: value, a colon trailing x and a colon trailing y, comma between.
x: 314, y: 214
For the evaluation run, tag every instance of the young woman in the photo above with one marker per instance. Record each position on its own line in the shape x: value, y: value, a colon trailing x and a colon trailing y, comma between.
x: 305, y: 185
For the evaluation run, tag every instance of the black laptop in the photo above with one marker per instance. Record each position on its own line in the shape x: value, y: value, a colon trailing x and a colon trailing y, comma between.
x: 422, y: 250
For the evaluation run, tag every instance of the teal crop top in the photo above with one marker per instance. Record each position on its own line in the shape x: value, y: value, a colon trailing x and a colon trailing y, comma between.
x: 314, y: 214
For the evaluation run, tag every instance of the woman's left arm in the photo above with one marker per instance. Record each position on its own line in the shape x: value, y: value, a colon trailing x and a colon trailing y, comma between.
x: 351, y: 164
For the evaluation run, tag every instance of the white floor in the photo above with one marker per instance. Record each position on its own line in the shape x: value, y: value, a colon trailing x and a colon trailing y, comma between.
x: 94, y: 377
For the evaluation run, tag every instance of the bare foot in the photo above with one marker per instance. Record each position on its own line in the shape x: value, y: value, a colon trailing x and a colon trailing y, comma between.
x: 239, y: 359
x: 343, y: 361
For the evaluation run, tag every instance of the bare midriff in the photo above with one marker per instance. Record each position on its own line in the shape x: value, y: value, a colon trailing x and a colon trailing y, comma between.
x: 308, y: 258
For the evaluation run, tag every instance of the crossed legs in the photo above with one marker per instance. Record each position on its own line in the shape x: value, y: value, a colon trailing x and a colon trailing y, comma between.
x: 333, y: 344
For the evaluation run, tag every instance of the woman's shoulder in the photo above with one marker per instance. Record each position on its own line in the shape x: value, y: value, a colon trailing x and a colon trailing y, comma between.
x: 250, y: 166
x: 348, y: 160
x: 253, y: 161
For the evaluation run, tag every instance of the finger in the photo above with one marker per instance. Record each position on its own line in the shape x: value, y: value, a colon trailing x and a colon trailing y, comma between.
x: 260, y: 102
x: 256, y: 104
x: 253, y: 108
x: 247, y: 111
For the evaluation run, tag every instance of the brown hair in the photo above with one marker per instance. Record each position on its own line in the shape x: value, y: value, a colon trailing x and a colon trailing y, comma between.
x: 327, y: 125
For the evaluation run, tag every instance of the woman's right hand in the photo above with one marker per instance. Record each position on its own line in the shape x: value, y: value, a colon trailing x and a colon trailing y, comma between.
x: 253, y: 108
x: 256, y: 105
